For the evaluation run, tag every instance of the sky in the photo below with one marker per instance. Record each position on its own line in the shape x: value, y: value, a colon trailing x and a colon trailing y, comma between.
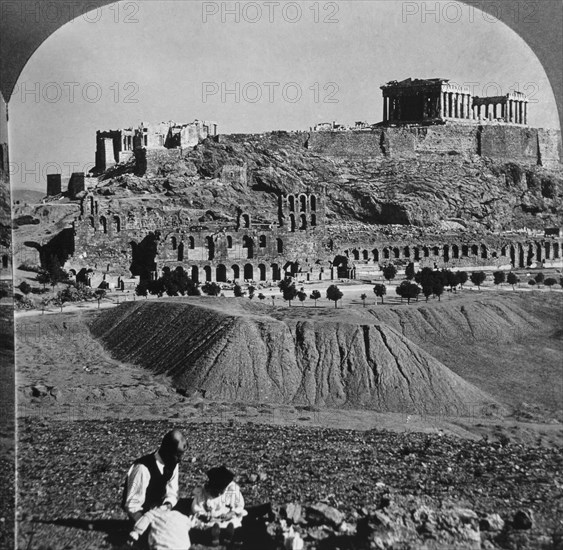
x: 251, y: 67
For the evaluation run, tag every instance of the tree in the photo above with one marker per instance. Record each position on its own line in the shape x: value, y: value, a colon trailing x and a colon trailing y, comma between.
x: 462, y: 277
x: 380, y: 291
x: 409, y: 271
x: 549, y: 282
x: 427, y: 290
x: 512, y: 279
x: 389, y: 272
x: 334, y: 294
x: 43, y: 277
x: 424, y: 276
x: 25, y: 287
x: 532, y: 282
x: 408, y: 290
x: 315, y: 295
x: 59, y: 300
x: 452, y: 279
x: 251, y: 291
x: 438, y: 289
x: 289, y: 293
x: 539, y: 278
x: 261, y: 296
x: 100, y: 294
x: 400, y: 291
x: 44, y: 303
x: 363, y: 298
x: 478, y: 278
x: 412, y: 291
x: 499, y: 277
x: 237, y: 291
x: 142, y: 289
x: 211, y: 289
x: 302, y: 295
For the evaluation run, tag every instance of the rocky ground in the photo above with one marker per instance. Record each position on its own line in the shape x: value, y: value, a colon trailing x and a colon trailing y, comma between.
x: 342, y: 478
x: 338, y: 488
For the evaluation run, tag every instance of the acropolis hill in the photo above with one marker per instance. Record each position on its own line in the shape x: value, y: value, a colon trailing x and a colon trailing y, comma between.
x: 445, y: 179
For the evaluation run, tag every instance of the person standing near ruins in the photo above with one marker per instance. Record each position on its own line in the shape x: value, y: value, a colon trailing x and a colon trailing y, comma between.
x: 152, y: 480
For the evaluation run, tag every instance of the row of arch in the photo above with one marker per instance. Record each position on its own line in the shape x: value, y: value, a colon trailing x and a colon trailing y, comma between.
x: 223, y: 273
x: 301, y: 203
x: 520, y: 254
x: 210, y: 245
x: 106, y: 224
x: 301, y: 221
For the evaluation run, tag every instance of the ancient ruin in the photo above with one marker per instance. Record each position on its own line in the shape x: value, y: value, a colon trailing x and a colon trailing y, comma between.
x: 291, y: 234
x: 437, y: 100
x: 115, y: 146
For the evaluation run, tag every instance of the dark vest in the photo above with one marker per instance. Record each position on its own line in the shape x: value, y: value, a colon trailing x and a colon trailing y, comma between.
x: 156, y: 489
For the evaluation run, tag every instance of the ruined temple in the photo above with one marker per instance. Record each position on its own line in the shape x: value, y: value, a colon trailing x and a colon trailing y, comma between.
x: 115, y: 146
x: 438, y: 100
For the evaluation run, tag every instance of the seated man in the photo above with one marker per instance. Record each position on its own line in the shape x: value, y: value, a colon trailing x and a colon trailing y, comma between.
x: 152, y: 480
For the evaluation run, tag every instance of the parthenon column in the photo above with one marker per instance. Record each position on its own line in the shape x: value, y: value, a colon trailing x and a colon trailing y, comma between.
x: 385, y: 99
x: 526, y: 113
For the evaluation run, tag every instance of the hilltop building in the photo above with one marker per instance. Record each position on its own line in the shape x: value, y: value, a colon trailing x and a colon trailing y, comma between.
x: 115, y: 146
x: 437, y: 100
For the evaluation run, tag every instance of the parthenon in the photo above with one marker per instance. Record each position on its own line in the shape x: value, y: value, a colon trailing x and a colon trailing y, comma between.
x: 438, y: 100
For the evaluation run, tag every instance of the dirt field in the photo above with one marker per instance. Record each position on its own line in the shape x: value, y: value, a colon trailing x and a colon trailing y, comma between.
x: 78, y: 402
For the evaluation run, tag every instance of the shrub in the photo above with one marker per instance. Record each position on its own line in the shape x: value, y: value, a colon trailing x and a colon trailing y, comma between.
x: 22, y: 302
x: 26, y: 266
x: 550, y: 281
x: 25, y: 287
x: 211, y: 289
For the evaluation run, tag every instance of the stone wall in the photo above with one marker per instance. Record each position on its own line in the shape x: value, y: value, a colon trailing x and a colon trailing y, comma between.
x: 346, y: 144
x: 499, y: 142
x: 509, y: 143
x: 445, y: 139
x: 549, y: 144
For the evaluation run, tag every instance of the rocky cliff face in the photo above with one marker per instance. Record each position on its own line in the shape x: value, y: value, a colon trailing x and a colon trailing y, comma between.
x: 422, y: 190
x: 242, y: 356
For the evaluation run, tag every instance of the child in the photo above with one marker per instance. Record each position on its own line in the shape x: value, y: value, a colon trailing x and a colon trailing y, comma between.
x: 218, y: 505
x: 169, y: 529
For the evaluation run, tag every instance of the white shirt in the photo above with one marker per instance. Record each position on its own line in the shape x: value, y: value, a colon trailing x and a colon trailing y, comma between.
x: 230, y: 501
x: 138, y: 478
x: 169, y: 529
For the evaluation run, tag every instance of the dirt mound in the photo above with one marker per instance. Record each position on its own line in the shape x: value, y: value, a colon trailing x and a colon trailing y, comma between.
x: 251, y: 357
